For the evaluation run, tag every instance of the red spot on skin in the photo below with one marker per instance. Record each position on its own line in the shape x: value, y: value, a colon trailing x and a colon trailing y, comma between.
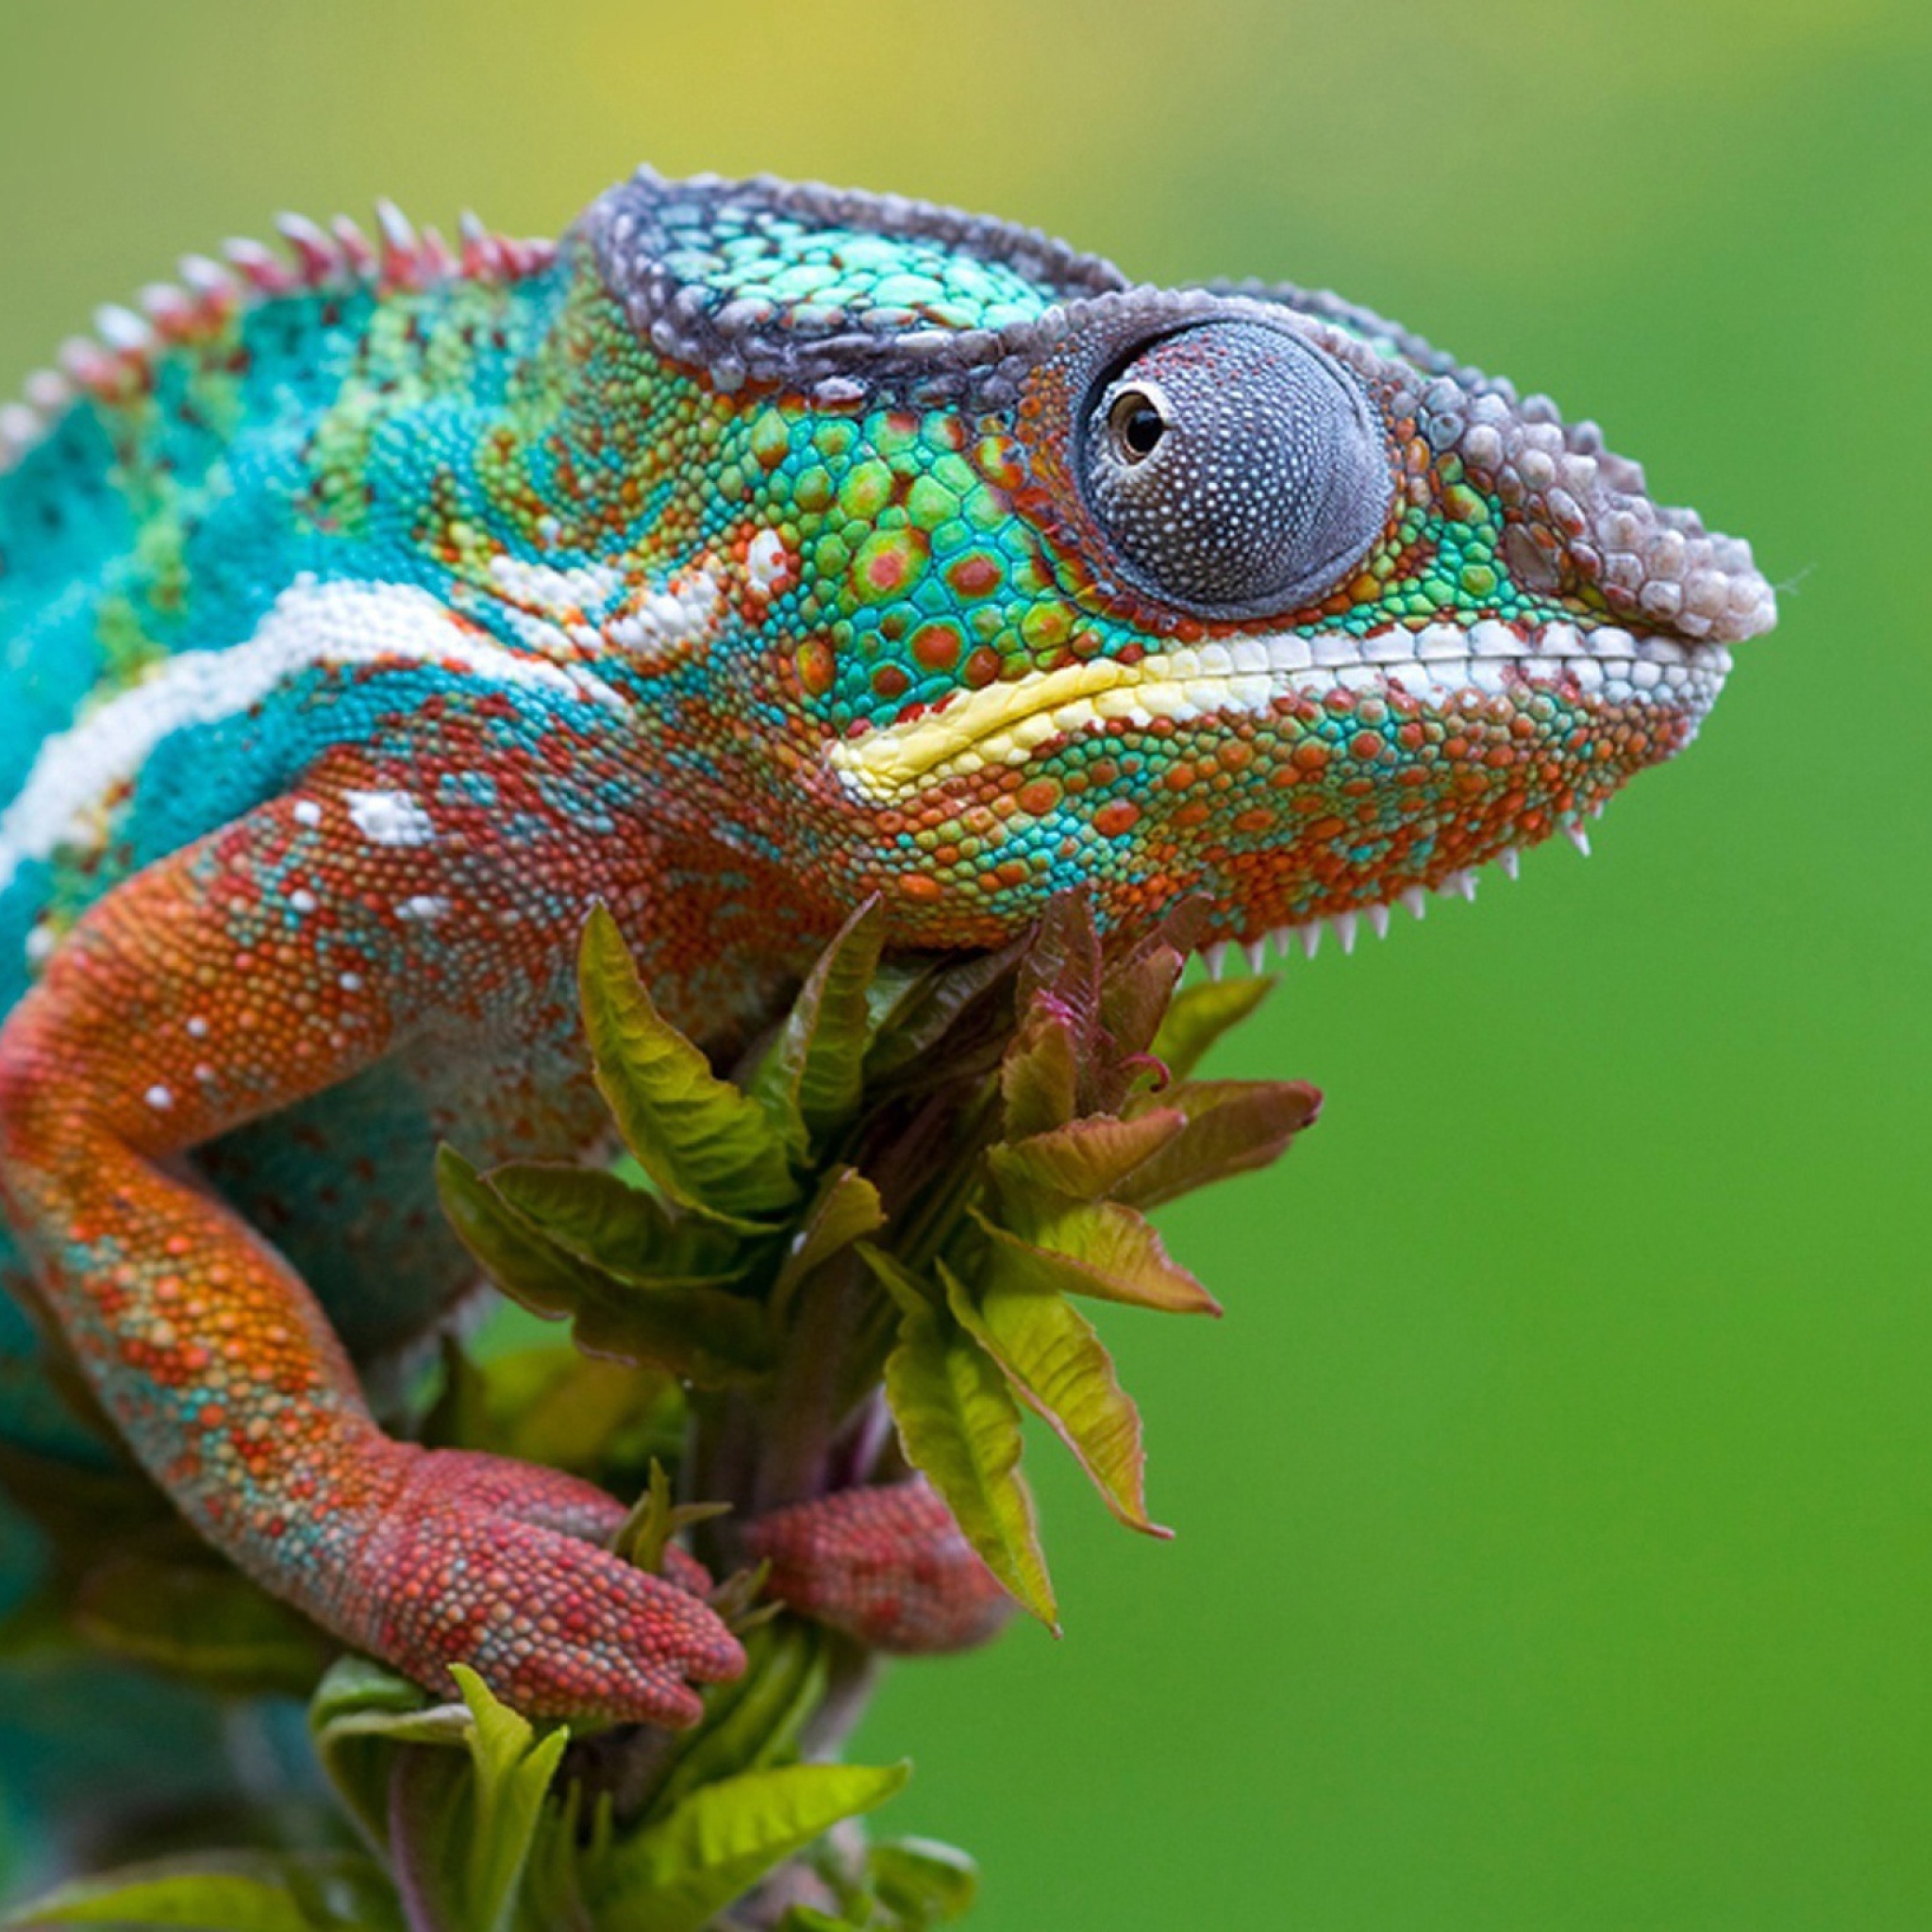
x: 982, y: 667
x: 919, y: 888
x: 817, y: 667
x: 890, y: 681
x: 975, y: 575
x: 1038, y: 796
x: 937, y: 647
x: 1120, y: 815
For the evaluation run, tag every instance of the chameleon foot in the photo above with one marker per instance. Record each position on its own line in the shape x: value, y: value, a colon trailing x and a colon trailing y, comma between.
x: 888, y: 1566
x: 485, y: 1562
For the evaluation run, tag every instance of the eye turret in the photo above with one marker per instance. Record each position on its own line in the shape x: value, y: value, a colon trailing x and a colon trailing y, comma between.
x: 1235, y: 468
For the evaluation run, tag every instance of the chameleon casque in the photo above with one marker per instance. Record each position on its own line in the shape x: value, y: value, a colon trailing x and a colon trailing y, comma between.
x: 370, y: 611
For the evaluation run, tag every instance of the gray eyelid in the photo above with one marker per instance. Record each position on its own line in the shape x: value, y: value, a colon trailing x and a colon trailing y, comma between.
x: 1307, y: 518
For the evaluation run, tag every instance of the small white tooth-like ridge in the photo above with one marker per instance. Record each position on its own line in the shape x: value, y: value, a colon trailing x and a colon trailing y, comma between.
x: 1007, y: 721
x: 1346, y: 925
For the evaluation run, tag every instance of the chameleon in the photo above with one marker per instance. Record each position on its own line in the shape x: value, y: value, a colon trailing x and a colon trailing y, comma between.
x: 373, y: 607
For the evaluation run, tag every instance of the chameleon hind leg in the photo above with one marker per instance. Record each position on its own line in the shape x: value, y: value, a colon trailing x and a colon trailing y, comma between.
x: 886, y: 1565
x: 190, y: 999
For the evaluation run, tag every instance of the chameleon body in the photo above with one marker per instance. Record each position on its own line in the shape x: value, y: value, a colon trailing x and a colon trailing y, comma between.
x: 370, y: 611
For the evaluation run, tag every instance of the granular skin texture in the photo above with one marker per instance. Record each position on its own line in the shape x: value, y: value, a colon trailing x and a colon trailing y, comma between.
x: 370, y: 612
x: 887, y: 1565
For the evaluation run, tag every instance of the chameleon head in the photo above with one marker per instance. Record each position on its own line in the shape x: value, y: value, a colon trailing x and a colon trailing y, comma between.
x: 1242, y: 593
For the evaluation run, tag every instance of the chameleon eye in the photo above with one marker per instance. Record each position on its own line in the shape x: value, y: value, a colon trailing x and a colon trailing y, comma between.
x: 1235, y: 468
x: 1135, y: 424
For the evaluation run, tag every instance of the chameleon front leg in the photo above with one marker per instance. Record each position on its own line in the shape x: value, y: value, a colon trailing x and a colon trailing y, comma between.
x: 271, y: 960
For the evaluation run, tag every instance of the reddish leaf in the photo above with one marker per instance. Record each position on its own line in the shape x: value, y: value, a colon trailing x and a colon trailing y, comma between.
x: 1052, y: 1355
x: 1233, y: 1127
x: 1102, y: 1250
x: 1200, y: 1015
x: 1086, y: 1159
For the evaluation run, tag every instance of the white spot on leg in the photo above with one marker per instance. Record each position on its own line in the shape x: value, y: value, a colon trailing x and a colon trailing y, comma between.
x: 765, y: 561
x: 422, y: 907
x: 391, y: 818
x: 160, y: 1099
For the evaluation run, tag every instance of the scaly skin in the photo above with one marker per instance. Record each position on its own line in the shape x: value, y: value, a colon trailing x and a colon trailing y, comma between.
x: 366, y: 616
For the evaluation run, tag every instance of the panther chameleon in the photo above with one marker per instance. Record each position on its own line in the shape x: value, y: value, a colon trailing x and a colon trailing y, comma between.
x: 371, y: 610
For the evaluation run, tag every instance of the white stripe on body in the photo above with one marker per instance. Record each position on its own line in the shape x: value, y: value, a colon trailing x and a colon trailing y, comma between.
x: 312, y: 625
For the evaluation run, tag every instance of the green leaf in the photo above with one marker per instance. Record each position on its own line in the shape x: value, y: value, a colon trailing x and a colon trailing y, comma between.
x: 1040, y: 1075
x: 198, y: 1619
x: 551, y: 1898
x: 960, y: 1426
x: 1101, y: 1249
x: 911, y: 1293
x: 922, y: 1882
x: 813, y: 1068
x: 707, y: 1144
x: 642, y: 1537
x: 1052, y: 1355
x: 1087, y: 1158
x: 810, y: 1919
x: 461, y: 1827
x: 1233, y: 1127
x: 226, y: 1892
x: 677, y: 1874
x: 754, y: 1721
x: 916, y: 1004
x: 712, y: 1337
x: 1134, y: 995
x: 512, y: 1769
x: 604, y: 1221
x: 1200, y: 1015
x: 574, y: 1414
x: 360, y: 1713
x: 846, y: 1210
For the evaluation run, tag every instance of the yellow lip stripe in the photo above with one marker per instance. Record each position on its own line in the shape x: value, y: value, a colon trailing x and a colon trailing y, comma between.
x: 887, y: 764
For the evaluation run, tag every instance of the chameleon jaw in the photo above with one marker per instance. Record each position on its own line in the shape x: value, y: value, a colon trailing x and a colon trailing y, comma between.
x: 1004, y: 723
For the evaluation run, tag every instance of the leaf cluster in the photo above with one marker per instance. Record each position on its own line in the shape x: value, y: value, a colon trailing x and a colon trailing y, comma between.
x: 910, y: 1191
x: 465, y: 1826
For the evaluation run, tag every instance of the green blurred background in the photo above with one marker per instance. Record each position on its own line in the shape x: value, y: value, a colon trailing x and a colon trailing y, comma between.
x: 1556, y: 1499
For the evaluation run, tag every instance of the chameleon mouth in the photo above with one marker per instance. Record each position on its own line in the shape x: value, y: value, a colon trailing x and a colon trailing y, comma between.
x: 1005, y: 723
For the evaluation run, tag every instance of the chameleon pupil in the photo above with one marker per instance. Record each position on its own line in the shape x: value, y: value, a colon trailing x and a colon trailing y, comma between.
x: 1137, y: 426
